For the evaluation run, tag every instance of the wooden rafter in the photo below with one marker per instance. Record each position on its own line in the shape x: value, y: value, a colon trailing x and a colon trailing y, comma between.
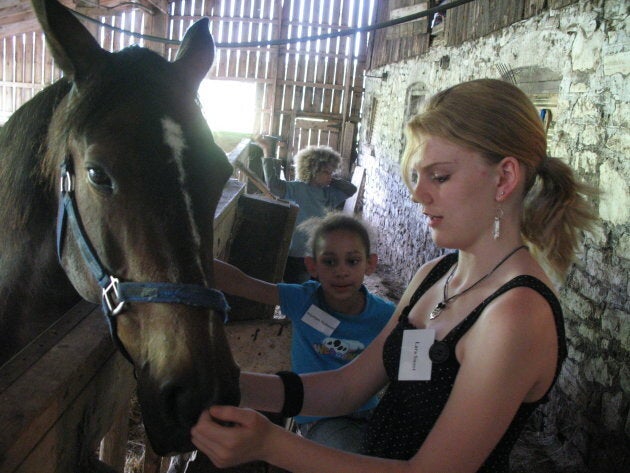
x: 17, y: 16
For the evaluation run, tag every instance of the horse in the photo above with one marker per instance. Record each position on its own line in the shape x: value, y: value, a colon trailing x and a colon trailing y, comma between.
x: 109, y: 180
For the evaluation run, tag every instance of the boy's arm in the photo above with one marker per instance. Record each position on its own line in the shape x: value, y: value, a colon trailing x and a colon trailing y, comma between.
x: 232, y: 280
x: 271, y: 170
x: 344, y: 186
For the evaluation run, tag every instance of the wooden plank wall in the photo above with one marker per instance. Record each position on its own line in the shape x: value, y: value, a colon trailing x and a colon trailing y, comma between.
x: 407, y: 40
x: 27, y: 66
x: 25, y: 71
x: 482, y: 17
x: 307, y: 92
x: 463, y: 23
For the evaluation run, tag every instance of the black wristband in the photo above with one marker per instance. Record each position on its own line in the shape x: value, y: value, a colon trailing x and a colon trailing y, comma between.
x: 293, y: 393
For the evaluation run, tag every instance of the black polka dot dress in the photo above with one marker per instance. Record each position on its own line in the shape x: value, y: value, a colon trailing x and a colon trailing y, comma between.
x: 409, y: 409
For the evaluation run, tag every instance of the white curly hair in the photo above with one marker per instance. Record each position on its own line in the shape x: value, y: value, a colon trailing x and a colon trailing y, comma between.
x: 310, y: 160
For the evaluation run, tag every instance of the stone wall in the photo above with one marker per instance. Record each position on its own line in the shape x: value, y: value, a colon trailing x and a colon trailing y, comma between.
x: 583, y: 51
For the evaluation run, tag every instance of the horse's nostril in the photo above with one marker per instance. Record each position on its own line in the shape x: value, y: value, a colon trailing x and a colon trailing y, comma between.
x: 180, y: 401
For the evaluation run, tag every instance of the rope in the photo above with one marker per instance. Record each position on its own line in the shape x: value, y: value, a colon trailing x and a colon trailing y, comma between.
x: 286, y: 41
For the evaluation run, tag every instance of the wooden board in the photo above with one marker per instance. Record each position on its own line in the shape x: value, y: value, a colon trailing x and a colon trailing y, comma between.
x: 353, y: 203
x: 259, y: 247
x: 224, y: 217
x: 55, y: 414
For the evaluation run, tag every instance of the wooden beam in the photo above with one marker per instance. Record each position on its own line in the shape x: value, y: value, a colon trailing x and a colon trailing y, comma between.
x: 353, y: 203
x: 28, y: 24
x: 17, y: 16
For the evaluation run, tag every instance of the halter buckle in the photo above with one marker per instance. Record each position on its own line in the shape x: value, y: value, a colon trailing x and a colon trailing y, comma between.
x: 111, y: 297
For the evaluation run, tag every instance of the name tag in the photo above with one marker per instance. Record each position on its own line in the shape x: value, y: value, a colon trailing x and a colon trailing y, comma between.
x: 320, y: 320
x: 415, y: 364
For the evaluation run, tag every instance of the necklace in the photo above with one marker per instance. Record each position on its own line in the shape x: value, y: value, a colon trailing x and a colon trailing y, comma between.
x: 435, y: 313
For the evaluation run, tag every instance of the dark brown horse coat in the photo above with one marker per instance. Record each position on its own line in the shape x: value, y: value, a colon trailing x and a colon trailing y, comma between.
x: 148, y: 176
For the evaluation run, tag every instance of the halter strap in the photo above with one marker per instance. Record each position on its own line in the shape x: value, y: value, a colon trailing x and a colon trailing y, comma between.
x: 116, y: 294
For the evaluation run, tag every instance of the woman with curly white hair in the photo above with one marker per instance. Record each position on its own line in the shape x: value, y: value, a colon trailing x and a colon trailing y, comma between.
x: 315, y: 191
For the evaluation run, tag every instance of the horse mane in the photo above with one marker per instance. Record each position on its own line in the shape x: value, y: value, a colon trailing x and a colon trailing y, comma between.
x: 27, y: 216
x: 23, y: 192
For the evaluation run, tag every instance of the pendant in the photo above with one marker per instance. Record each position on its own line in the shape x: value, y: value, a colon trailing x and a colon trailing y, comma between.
x: 435, y: 313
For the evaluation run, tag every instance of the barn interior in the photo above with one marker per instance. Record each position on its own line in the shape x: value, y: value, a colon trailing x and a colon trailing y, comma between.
x: 349, y: 74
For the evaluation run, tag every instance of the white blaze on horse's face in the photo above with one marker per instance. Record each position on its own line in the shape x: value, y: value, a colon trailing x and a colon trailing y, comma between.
x: 174, y: 138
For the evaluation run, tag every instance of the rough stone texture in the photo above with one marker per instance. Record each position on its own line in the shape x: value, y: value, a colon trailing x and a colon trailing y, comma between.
x: 586, y: 424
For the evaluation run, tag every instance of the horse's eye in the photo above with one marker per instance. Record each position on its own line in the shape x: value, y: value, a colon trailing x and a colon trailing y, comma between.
x: 100, y: 179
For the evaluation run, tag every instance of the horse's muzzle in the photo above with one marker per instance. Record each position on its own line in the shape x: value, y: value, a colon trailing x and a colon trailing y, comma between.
x: 173, y: 408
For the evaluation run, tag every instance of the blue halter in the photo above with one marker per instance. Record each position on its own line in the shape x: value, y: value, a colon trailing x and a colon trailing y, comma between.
x: 116, y: 294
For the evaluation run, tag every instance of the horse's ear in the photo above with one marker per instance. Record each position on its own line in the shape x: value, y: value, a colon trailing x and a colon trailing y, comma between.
x: 71, y: 44
x: 196, y: 54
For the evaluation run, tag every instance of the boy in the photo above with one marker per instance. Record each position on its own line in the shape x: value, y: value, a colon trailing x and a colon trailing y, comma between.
x: 334, y: 317
x: 315, y: 191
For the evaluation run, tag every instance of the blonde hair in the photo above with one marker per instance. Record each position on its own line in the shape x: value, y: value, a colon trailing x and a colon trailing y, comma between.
x: 497, y: 119
x: 311, y: 160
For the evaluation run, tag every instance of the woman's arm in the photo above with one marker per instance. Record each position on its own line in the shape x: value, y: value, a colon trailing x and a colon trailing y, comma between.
x: 232, y: 280
x: 501, y: 368
x: 347, y: 187
x: 252, y: 437
x: 326, y: 393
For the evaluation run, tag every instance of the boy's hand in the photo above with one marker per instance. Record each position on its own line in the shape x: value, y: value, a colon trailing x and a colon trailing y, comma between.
x: 264, y: 144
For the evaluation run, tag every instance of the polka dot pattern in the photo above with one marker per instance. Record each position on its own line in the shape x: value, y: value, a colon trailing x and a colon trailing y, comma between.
x: 409, y: 409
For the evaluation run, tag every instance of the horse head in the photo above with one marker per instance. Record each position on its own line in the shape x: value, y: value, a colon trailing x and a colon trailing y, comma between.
x: 144, y: 177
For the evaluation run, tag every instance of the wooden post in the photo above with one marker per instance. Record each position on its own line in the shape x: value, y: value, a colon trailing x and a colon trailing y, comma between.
x: 259, y: 247
x: 113, y: 449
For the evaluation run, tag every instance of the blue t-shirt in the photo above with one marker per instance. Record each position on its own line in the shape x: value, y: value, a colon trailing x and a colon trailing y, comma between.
x: 313, y: 202
x: 327, y: 349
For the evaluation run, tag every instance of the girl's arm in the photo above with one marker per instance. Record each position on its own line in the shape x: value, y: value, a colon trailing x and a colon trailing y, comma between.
x: 271, y: 170
x: 334, y: 392
x: 232, y: 280
x: 501, y: 368
x: 347, y: 187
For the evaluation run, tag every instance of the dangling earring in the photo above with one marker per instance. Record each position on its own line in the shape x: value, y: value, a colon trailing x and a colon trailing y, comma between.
x: 496, y: 231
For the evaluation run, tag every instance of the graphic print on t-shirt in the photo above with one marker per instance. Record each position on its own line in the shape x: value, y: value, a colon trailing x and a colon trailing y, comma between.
x: 343, y: 349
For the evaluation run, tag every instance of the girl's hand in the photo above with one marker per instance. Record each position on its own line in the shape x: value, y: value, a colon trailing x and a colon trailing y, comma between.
x: 242, y: 442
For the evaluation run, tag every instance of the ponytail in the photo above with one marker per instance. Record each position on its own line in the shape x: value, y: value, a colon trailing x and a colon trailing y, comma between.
x: 555, y: 211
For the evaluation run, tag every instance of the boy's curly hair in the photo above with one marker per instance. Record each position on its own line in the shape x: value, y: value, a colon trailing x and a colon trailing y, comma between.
x: 319, y: 227
x: 310, y: 160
